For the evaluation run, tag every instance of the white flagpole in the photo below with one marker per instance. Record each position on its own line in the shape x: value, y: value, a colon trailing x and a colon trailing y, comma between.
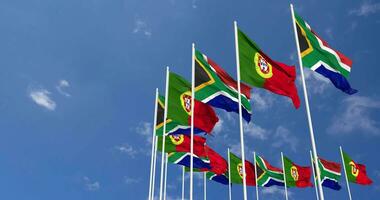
x: 164, y: 132
x: 183, y: 182
x: 240, y: 110
x: 204, y: 186
x: 345, y: 172
x: 315, y: 155
x: 154, y: 166
x: 153, y: 145
x: 192, y: 119
x: 166, y: 174
x: 283, y: 169
x: 257, y: 184
x: 315, y: 180
x: 229, y: 175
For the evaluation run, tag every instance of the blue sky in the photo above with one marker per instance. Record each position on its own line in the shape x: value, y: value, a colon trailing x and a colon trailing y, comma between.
x: 78, y: 78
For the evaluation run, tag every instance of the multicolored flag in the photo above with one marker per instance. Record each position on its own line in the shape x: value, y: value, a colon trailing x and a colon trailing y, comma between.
x: 217, y: 88
x: 259, y: 70
x: 179, y: 105
x: 183, y: 158
x: 217, y: 162
x: 296, y: 176
x: 318, y: 56
x: 268, y: 175
x: 355, y: 172
x: 222, y: 178
x: 236, y: 166
x: 181, y: 143
x: 330, y: 174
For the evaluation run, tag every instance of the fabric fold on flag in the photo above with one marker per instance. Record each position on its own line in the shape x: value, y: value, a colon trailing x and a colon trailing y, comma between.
x: 296, y: 176
x: 236, y: 166
x: 267, y: 175
x: 355, y: 172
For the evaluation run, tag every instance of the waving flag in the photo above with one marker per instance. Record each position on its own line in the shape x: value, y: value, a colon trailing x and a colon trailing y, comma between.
x: 355, y: 172
x: 259, y: 70
x: 183, y: 158
x: 317, y: 55
x: 296, y: 176
x: 330, y: 174
x: 236, y: 166
x: 222, y: 178
x: 215, y: 87
x: 181, y: 143
x: 267, y: 175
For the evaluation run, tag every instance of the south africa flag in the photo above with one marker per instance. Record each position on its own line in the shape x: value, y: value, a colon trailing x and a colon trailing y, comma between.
x: 267, y: 175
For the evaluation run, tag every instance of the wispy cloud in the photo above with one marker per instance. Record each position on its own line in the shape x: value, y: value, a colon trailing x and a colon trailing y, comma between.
x: 127, y: 149
x: 142, y: 27
x: 194, y: 4
x: 256, y: 131
x: 283, y: 137
x: 316, y: 82
x: 91, y: 185
x: 218, y: 126
x: 130, y: 180
x: 42, y: 98
x: 62, y: 85
x: 366, y: 8
x: 275, y: 191
x: 356, y: 115
x: 329, y: 32
x: 262, y: 100
x: 145, y: 130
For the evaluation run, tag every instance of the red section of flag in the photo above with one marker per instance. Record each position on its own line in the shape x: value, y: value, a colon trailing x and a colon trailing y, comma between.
x: 199, y: 143
x: 218, y: 163
x: 304, y: 175
x: 205, y: 117
x: 362, y: 177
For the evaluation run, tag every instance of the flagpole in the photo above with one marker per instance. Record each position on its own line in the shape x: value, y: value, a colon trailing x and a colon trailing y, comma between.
x: 154, y: 166
x: 307, y: 105
x: 204, y: 186
x: 229, y: 175
x: 345, y: 172
x: 153, y: 144
x: 166, y: 174
x: 283, y: 170
x: 257, y: 184
x: 315, y: 180
x: 183, y: 182
x: 240, y: 110
x: 164, y: 132
x: 192, y: 118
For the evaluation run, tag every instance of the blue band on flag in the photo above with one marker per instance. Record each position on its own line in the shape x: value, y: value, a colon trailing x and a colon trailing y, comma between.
x: 229, y: 105
x: 337, y: 79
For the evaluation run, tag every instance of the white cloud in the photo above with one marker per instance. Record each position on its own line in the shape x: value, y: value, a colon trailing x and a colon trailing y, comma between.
x: 41, y: 97
x: 316, y: 83
x: 329, y: 32
x: 275, y: 191
x: 127, y: 149
x: 366, y: 8
x: 194, y: 4
x: 283, y: 137
x: 356, y: 115
x: 255, y: 131
x: 145, y: 129
x: 129, y: 180
x: 218, y: 127
x: 91, y: 185
x: 62, y: 84
x: 262, y: 100
x: 142, y: 27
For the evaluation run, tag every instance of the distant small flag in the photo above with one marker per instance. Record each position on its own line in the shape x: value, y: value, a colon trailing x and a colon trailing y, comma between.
x: 318, y: 56
x: 222, y: 178
x: 181, y: 143
x: 183, y: 158
x: 267, y: 175
x: 330, y: 174
x: 217, y: 88
x: 296, y: 176
x: 356, y: 173
x: 236, y: 166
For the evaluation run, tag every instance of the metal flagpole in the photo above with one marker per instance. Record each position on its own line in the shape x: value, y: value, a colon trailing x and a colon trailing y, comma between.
x: 283, y: 169
x: 164, y: 132
x: 192, y: 119
x: 315, y: 155
x: 154, y: 166
x: 183, y: 182
x: 315, y: 180
x: 153, y: 145
x: 204, y: 186
x: 166, y: 174
x: 240, y: 110
x: 345, y: 172
x: 229, y: 175
x: 257, y: 184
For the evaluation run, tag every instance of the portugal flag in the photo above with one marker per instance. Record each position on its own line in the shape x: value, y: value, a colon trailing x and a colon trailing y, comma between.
x: 259, y: 70
x: 179, y: 106
x: 296, y: 176
x: 355, y: 172
x: 181, y: 143
x: 236, y: 166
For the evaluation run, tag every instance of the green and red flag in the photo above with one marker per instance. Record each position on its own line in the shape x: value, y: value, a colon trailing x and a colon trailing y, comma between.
x: 296, y: 176
x: 259, y: 70
x: 179, y: 106
x: 181, y: 143
x: 217, y: 162
x: 355, y: 172
x: 236, y: 167
x: 217, y: 88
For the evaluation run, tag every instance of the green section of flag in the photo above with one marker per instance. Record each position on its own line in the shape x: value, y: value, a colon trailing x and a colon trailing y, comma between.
x: 265, y: 174
x: 328, y: 174
x: 179, y: 99
x: 313, y: 51
x: 235, y: 167
x: 347, y: 160
x: 247, y: 51
x: 288, y: 164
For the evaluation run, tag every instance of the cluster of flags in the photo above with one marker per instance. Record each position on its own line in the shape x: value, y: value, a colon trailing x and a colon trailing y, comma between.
x: 188, y: 108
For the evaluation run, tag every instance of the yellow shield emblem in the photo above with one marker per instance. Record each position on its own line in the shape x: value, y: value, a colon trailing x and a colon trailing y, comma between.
x: 294, y: 173
x: 239, y: 168
x: 263, y: 67
x: 186, y: 102
x: 354, y: 169
x: 177, y: 139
